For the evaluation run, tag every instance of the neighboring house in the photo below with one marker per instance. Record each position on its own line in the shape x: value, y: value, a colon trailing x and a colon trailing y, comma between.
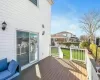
x: 26, y: 37
x: 74, y: 39
x: 63, y: 37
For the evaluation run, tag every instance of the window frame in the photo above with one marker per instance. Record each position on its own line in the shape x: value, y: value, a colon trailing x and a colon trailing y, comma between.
x: 29, y: 46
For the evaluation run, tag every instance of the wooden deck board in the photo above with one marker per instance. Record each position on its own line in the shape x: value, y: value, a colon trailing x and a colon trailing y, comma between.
x: 54, y: 69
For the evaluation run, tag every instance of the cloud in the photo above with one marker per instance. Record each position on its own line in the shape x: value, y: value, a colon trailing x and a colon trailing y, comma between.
x: 63, y: 23
x: 73, y: 27
x: 58, y: 21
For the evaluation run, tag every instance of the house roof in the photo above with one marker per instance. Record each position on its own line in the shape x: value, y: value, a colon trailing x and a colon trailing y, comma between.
x: 60, y: 34
x: 57, y: 36
x: 50, y: 1
x: 64, y: 32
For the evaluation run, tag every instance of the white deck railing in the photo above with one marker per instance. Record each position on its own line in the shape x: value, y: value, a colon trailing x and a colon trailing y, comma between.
x: 82, y: 55
x: 77, y: 54
x: 56, y: 51
x: 91, y: 68
x: 60, y: 52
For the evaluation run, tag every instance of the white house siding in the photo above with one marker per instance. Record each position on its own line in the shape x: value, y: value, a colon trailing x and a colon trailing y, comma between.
x: 24, y: 15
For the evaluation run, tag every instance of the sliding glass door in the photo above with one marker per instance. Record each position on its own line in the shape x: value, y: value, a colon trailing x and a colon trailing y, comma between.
x: 27, y: 47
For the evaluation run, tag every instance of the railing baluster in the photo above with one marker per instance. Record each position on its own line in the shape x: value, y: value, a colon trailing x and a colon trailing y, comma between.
x: 70, y: 54
x: 81, y: 54
x: 84, y: 55
x: 74, y: 54
x: 78, y: 55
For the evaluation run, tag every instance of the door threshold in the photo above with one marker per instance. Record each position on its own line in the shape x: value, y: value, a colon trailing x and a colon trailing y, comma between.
x: 28, y: 65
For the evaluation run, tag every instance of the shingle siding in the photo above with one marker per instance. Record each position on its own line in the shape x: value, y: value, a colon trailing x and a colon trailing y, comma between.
x: 24, y: 15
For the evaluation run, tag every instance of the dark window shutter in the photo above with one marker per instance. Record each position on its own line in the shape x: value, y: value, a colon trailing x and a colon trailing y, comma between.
x: 34, y: 1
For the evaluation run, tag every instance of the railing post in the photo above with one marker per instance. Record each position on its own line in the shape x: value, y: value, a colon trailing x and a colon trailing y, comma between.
x: 50, y: 50
x: 70, y: 53
x: 86, y: 56
x: 60, y: 52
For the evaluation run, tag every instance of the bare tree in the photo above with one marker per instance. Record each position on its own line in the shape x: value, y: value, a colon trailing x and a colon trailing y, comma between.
x: 84, y: 38
x: 90, y: 23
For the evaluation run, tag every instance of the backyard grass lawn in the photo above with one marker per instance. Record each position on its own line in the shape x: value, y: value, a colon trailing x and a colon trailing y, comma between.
x: 54, y: 51
x: 66, y: 53
x: 76, y: 54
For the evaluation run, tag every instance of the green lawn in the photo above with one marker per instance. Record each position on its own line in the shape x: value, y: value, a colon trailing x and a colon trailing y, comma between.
x: 66, y: 53
x: 54, y: 51
x: 76, y: 54
x: 79, y: 55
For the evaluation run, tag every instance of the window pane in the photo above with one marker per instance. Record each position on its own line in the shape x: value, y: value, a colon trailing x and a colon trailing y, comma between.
x: 27, y: 47
x: 33, y: 46
x: 23, y: 47
x: 34, y: 1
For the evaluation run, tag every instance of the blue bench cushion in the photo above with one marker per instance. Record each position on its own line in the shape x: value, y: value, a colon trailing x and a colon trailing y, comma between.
x: 12, y: 66
x: 4, y: 75
x: 13, y: 76
x: 3, y: 64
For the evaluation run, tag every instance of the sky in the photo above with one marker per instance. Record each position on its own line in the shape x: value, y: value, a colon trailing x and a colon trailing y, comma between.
x: 66, y: 15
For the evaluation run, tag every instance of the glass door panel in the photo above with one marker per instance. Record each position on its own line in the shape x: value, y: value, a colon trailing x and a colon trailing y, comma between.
x: 33, y: 47
x: 27, y: 47
x: 22, y: 47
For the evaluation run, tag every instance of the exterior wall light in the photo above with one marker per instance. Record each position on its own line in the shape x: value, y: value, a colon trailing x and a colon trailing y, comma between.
x: 42, y: 26
x: 4, y: 25
x: 43, y: 32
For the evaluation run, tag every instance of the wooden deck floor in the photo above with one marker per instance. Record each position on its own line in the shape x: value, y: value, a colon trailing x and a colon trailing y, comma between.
x: 55, y: 69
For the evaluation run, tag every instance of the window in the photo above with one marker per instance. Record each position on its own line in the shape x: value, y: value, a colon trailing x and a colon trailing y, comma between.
x: 34, y: 1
